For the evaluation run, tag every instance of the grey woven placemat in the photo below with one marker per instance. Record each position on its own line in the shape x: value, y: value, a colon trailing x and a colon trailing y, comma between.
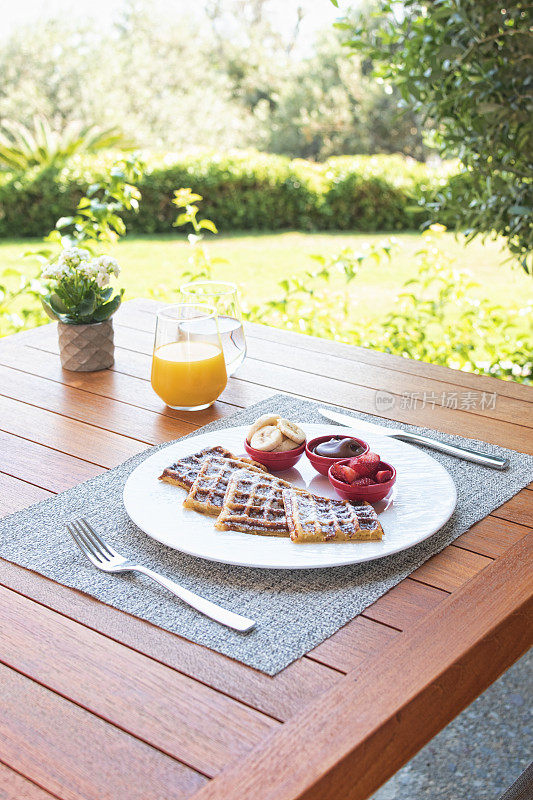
x: 294, y: 611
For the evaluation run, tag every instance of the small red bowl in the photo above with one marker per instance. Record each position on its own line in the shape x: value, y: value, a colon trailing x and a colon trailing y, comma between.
x: 323, y: 463
x: 372, y: 494
x: 276, y: 462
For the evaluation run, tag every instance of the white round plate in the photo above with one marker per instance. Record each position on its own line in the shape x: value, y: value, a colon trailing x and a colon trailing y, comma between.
x: 422, y: 500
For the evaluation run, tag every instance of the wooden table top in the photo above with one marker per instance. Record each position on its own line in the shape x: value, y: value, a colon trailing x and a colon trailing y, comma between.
x: 98, y: 704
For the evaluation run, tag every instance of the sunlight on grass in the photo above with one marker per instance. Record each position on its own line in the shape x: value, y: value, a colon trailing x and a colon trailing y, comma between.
x: 257, y: 262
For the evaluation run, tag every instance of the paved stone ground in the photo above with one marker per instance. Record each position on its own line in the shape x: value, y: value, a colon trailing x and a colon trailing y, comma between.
x: 481, y: 753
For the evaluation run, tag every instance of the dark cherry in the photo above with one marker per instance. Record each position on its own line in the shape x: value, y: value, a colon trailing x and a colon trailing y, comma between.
x: 337, y: 447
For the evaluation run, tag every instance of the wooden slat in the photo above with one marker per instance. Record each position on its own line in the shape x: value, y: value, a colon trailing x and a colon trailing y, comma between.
x: 148, y: 700
x: 492, y: 536
x: 353, y: 643
x: 136, y: 364
x: 356, y: 372
x: 106, y: 383
x: 75, y: 756
x: 102, y: 412
x: 517, y: 509
x: 253, y: 374
x: 357, y: 734
x: 16, y: 495
x: 132, y: 313
x: 331, y: 390
x: 15, y: 787
x: 392, y: 362
x: 69, y: 436
x: 46, y: 468
x: 450, y: 569
x: 382, y: 379
x: 279, y: 696
x: 405, y: 604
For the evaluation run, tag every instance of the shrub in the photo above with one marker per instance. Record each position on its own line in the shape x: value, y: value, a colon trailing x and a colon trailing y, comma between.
x: 466, y: 67
x: 436, y: 317
x: 245, y: 190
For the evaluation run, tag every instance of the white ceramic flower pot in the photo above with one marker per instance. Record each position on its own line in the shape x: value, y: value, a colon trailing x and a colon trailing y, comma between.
x: 86, y: 348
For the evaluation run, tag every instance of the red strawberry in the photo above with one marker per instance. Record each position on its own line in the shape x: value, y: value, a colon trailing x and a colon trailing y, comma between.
x: 365, y: 466
x: 342, y: 472
x: 383, y: 475
x: 363, y: 482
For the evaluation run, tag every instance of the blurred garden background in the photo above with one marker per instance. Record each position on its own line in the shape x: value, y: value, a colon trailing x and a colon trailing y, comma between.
x: 367, y: 181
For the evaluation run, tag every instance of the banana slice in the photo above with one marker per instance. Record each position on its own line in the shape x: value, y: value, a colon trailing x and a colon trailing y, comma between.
x: 286, y: 444
x: 267, y: 438
x: 266, y: 419
x: 291, y: 430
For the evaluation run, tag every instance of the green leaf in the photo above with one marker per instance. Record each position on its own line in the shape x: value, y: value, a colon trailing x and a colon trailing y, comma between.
x: 106, y: 293
x: 87, y: 305
x: 57, y: 304
x: 49, y: 310
x: 181, y: 219
x: 107, y: 309
x: 208, y: 225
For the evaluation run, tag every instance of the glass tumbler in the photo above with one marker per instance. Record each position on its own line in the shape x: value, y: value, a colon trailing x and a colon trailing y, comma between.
x: 188, y: 367
x: 225, y: 298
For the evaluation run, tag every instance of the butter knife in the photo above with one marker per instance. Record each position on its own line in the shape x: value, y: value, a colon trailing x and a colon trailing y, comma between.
x: 360, y: 426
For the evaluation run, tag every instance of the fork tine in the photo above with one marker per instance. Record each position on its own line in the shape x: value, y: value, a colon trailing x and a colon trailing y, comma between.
x: 83, y: 547
x: 97, y: 553
x: 96, y: 538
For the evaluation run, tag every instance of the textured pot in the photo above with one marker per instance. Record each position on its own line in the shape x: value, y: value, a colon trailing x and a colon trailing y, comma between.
x: 86, y: 348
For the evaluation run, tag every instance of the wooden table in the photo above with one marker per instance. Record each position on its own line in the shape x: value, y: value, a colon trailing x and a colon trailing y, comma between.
x: 99, y: 704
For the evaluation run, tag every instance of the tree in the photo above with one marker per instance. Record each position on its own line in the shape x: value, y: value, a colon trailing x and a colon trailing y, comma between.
x: 217, y: 74
x: 328, y: 105
x: 466, y: 66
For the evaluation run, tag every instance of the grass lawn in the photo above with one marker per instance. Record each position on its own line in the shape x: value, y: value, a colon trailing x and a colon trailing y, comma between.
x: 257, y: 261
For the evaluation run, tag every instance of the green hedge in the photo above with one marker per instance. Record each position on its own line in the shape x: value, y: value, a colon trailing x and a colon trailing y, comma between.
x: 243, y: 190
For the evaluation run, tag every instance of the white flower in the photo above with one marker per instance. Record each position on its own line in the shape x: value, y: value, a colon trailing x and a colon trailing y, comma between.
x: 89, y: 269
x: 107, y: 265
x: 52, y: 271
x: 73, y: 257
x: 102, y: 279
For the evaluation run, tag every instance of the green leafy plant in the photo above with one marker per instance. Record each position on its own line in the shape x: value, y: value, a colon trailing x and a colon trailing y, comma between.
x: 465, y: 66
x: 200, y: 262
x: 16, y: 288
x: 316, y: 303
x: 98, y: 216
x: 438, y: 319
x: 78, y: 290
x: 23, y: 147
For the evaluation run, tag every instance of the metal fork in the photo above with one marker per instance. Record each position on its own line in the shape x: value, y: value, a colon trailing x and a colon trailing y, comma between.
x: 104, y: 557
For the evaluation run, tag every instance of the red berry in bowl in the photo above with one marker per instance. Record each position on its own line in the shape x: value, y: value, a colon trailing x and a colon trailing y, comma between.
x: 363, y: 482
x: 342, y: 472
x: 383, y: 475
x: 366, y: 465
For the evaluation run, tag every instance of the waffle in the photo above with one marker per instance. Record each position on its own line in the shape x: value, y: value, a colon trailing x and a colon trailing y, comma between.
x: 321, y: 519
x: 253, y: 503
x: 184, y: 472
x: 206, y: 495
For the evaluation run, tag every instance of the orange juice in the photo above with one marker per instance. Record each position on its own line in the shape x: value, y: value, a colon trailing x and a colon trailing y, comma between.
x: 188, y: 374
